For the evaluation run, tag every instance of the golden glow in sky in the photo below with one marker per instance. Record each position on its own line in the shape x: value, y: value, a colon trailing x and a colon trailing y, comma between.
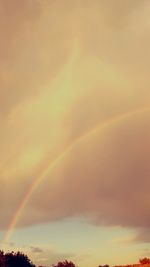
x: 75, y: 130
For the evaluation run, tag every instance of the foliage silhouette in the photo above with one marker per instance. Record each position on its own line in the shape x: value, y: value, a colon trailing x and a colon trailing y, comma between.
x: 144, y: 261
x: 106, y: 265
x: 2, y: 259
x: 65, y: 264
x: 12, y: 259
x: 19, y: 259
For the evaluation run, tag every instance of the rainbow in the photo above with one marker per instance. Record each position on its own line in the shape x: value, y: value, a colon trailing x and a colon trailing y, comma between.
x: 49, y: 166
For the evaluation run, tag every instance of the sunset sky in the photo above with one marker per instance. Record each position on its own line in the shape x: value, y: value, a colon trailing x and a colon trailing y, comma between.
x: 75, y: 130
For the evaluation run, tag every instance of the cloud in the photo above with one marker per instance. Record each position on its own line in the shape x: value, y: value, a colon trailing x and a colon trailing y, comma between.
x: 53, y: 258
x: 99, y: 176
x: 143, y: 236
x: 104, y: 178
x: 36, y: 250
x: 65, y: 69
x: 9, y: 244
x: 49, y: 257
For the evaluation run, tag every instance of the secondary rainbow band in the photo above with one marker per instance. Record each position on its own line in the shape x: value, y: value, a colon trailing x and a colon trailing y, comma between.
x: 51, y: 165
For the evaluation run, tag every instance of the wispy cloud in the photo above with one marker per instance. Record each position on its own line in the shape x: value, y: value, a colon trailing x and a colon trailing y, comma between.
x: 36, y: 250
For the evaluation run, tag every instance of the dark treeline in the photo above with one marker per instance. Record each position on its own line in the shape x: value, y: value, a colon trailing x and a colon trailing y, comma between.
x: 19, y: 259
x: 12, y: 259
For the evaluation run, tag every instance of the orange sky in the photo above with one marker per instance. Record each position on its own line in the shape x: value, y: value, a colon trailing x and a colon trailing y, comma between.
x: 69, y: 67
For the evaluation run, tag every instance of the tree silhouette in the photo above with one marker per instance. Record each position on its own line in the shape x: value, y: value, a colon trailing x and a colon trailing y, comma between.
x: 144, y: 261
x: 65, y: 264
x: 19, y: 259
x: 106, y: 265
x: 2, y: 259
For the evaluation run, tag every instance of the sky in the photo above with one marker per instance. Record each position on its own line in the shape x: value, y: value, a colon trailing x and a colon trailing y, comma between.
x: 75, y: 130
